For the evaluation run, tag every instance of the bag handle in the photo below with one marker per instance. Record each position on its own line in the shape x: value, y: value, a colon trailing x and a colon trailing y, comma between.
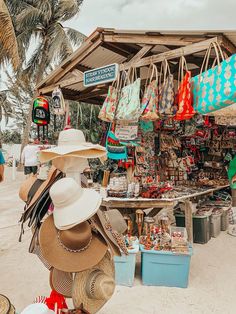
x: 218, y: 51
x: 182, y: 64
x: 154, y: 74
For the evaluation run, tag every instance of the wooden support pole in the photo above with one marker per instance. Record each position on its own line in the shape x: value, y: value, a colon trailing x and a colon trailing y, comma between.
x: 189, y: 220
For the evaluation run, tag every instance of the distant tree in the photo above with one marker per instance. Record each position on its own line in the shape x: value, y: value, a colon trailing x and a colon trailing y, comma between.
x: 11, y: 137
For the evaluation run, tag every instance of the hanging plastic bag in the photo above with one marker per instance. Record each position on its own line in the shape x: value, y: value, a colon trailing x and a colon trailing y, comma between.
x: 166, y: 92
x: 184, y: 95
x: 150, y: 99
x: 129, y: 107
x: 107, y: 112
x: 58, y: 103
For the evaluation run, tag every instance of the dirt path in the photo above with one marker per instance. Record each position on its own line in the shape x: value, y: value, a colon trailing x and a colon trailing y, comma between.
x: 211, y: 288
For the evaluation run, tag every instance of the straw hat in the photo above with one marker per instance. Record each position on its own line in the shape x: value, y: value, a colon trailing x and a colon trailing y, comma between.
x: 117, y: 220
x: 94, y: 287
x: 72, y: 142
x: 37, y: 308
x: 72, y: 250
x: 109, y: 230
x: 72, y: 203
x: 61, y: 282
x: 5, y: 305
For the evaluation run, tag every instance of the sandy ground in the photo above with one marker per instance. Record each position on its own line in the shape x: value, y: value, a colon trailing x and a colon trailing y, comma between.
x: 212, y: 283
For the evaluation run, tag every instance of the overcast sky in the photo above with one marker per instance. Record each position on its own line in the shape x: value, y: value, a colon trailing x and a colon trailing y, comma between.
x: 156, y: 15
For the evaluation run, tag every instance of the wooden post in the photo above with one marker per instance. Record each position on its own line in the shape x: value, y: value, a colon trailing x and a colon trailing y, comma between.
x: 189, y: 220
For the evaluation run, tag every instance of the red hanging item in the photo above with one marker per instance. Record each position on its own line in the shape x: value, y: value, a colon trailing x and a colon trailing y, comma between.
x: 56, y: 298
x: 184, y: 96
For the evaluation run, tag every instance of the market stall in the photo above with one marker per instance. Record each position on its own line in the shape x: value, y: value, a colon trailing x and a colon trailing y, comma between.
x: 166, y: 148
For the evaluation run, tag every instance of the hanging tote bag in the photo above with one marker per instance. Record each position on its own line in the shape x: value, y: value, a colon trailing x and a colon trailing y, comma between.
x: 149, y: 103
x: 58, y: 102
x: 184, y: 97
x: 107, y: 112
x: 126, y: 131
x: 166, y: 92
x: 215, y: 88
x: 129, y: 107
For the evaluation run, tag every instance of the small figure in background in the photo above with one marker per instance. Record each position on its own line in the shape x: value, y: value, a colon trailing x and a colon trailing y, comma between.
x: 2, y: 162
x: 29, y: 157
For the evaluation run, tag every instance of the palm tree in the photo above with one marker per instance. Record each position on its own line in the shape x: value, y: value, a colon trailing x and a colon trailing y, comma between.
x: 5, y: 109
x: 8, y: 42
x: 41, y: 22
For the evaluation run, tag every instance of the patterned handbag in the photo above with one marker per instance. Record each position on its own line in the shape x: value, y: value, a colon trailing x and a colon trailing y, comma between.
x: 215, y: 88
x: 129, y: 107
x: 184, y: 97
x: 150, y: 99
x: 115, y: 150
x: 107, y: 112
x: 166, y: 92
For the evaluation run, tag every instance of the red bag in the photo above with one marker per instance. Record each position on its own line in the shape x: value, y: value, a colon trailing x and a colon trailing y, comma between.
x: 184, y: 95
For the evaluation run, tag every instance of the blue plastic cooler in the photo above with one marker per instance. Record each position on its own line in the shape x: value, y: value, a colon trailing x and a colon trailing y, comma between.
x: 163, y: 268
x: 125, y: 267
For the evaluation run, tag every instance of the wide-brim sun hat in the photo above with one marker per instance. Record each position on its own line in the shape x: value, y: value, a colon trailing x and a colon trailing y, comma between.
x: 72, y: 250
x: 61, y: 282
x: 94, y: 287
x: 53, y: 176
x: 72, y: 143
x: 72, y: 203
x: 37, y: 308
x: 5, y: 305
x: 26, y: 186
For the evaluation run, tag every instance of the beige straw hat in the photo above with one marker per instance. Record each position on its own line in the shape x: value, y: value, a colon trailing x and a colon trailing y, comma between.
x: 72, y: 203
x: 5, y: 305
x: 61, y: 282
x: 94, y: 287
x: 26, y: 186
x: 72, y: 250
x: 72, y: 143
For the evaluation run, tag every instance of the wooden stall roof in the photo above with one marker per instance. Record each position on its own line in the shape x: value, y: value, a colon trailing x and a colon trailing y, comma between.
x: 139, y: 48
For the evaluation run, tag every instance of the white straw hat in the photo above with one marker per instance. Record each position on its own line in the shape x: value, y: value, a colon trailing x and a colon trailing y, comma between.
x: 72, y: 203
x: 37, y: 308
x: 72, y: 143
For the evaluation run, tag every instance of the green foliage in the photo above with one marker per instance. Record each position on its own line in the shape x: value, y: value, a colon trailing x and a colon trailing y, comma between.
x: 10, y: 137
x: 85, y: 117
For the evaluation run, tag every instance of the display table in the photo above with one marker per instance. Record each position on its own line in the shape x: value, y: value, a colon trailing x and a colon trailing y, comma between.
x: 143, y: 203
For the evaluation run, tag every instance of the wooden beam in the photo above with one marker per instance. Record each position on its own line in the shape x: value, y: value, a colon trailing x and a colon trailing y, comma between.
x: 227, y: 44
x: 175, y: 40
x: 173, y: 54
x: 88, y: 43
x: 142, y: 52
x: 80, y: 58
x: 114, y: 48
x: 62, y: 84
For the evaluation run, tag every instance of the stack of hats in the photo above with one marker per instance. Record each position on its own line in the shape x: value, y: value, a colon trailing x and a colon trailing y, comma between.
x: 78, y: 240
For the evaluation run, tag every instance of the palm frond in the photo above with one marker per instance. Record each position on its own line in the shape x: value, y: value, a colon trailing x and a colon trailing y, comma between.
x: 30, y: 16
x: 75, y: 36
x: 7, y: 36
x: 67, y: 9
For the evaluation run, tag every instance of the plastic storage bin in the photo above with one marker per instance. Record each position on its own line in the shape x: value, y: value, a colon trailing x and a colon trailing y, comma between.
x: 225, y: 220
x: 201, y: 227
x: 215, y: 225
x: 161, y: 268
x: 125, y: 267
